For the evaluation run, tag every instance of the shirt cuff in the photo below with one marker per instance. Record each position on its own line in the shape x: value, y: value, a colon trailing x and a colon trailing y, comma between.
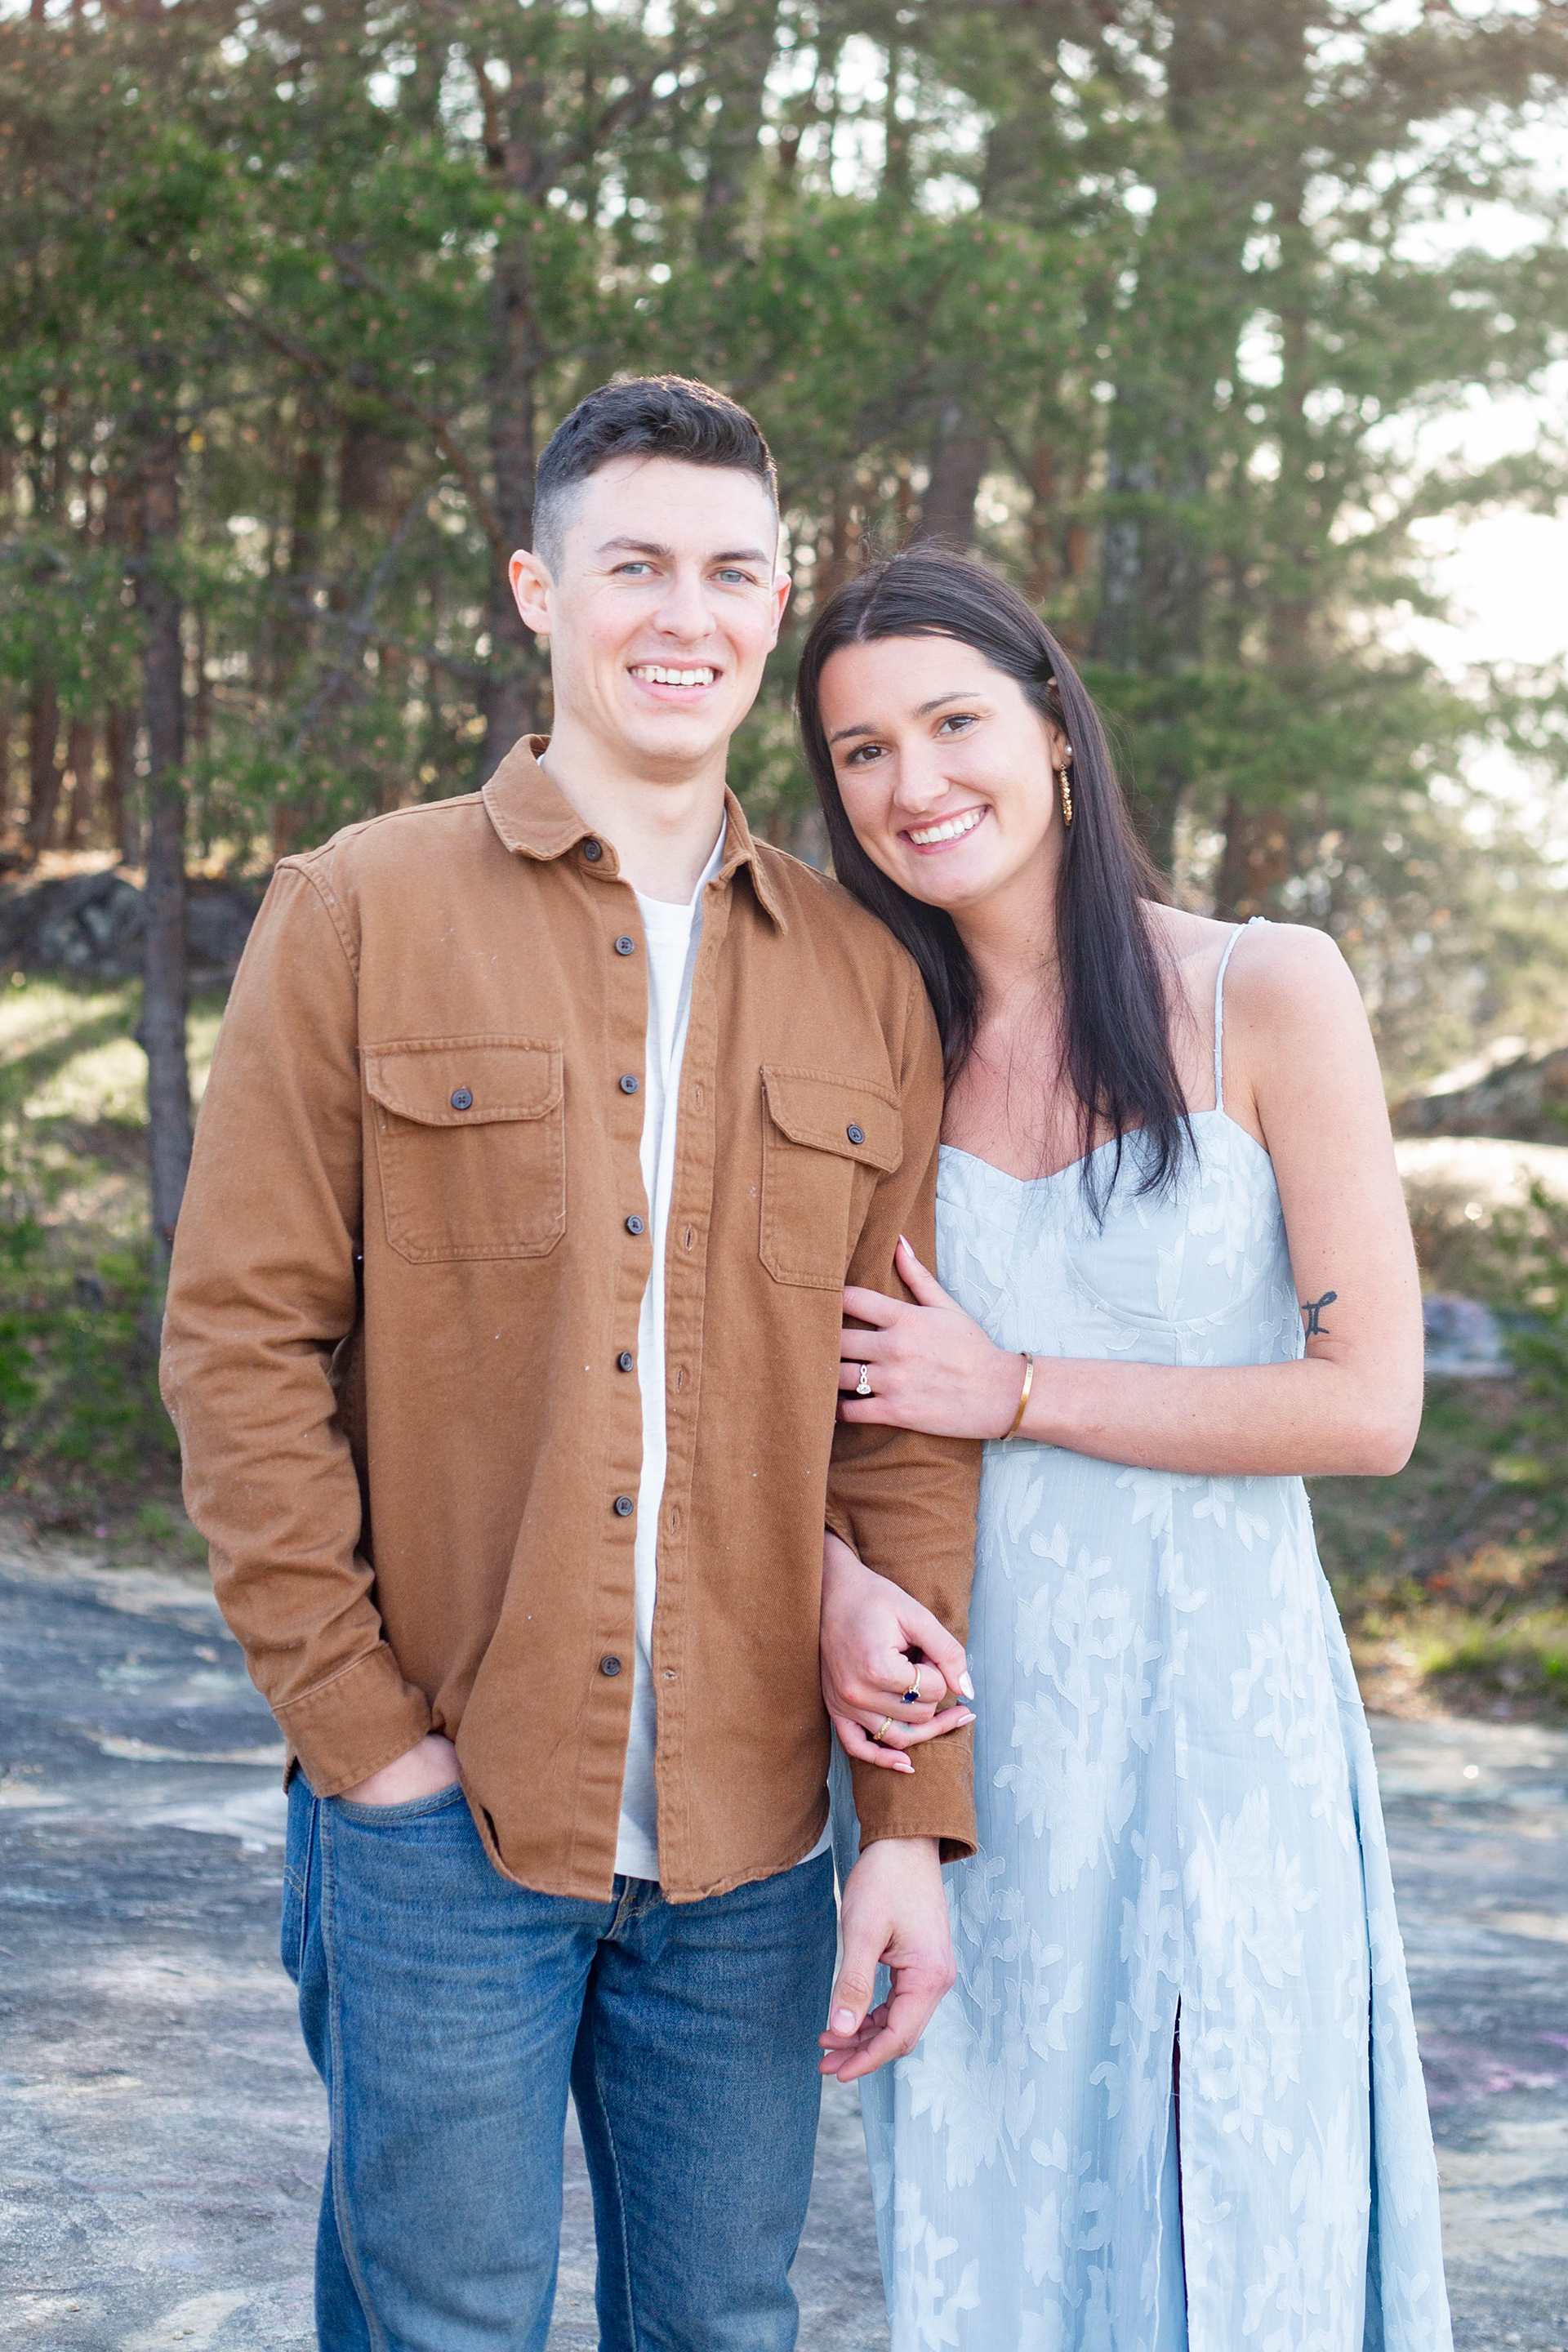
x: 937, y: 1799
x: 347, y: 1729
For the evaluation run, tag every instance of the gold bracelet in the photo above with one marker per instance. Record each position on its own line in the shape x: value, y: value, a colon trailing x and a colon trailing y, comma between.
x: 1023, y: 1399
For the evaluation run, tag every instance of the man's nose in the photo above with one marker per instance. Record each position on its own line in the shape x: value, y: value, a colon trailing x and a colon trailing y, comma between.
x: 684, y: 610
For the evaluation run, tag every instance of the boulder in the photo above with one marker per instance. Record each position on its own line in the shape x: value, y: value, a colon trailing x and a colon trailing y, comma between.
x: 1525, y: 1098
x: 89, y: 927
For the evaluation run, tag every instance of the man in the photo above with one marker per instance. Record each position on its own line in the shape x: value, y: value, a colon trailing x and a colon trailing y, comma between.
x: 546, y: 1127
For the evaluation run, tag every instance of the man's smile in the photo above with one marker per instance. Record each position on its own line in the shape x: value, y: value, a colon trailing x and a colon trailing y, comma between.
x: 696, y: 675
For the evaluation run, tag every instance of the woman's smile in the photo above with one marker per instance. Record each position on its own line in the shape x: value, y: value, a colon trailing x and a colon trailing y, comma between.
x: 937, y: 833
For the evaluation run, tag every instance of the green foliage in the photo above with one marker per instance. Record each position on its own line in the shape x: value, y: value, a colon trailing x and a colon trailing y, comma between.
x: 1456, y: 1571
x: 1149, y: 304
x: 78, y: 1400
x: 79, y: 1411
x: 1539, y: 1341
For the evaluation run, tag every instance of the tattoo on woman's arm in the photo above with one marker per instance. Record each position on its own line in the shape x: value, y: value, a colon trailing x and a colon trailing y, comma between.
x: 1312, y: 1309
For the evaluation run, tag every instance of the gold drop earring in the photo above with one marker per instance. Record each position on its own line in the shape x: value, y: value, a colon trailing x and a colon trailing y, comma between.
x: 1066, y: 787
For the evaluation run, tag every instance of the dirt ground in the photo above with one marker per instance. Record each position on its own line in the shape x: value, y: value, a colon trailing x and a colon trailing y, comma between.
x: 161, y: 2133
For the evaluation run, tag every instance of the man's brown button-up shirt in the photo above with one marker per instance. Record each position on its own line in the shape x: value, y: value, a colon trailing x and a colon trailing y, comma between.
x: 405, y: 1292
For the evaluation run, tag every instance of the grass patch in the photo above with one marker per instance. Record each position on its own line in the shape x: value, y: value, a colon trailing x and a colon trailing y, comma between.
x: 1452, y: 1578
x: 84, y: 1439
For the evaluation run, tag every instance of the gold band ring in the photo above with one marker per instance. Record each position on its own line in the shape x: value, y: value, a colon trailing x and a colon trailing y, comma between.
x: 882, y: 1730
x: 863, y: 1385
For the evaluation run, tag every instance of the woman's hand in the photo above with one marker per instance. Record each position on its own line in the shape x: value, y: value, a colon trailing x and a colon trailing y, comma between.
x: 930, y: 1366
x: 878, y: 1643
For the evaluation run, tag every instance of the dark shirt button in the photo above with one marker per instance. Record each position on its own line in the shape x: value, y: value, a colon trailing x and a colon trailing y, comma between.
x: 636, y: 1225
x: 625, y: 944
x: 625, y: 1360
x: 624, y: 1507
x: 609, y: 1665
x: 629, y: 1085
x: 461, y: 1098
x: 855, y: 1134
x: 593, y: 851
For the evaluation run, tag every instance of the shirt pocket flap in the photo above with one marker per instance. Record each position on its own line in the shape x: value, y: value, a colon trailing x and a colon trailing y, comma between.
x: 854, y: 1118
x: 465, y: 1081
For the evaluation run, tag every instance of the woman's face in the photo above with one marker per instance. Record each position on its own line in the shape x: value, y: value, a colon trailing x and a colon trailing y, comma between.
x: 947, y: 771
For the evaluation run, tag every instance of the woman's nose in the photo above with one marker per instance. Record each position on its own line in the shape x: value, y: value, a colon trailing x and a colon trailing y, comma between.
x: 919, y: 784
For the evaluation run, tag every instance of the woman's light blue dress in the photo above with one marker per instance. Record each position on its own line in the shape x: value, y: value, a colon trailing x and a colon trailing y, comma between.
x: 1180, y: 1842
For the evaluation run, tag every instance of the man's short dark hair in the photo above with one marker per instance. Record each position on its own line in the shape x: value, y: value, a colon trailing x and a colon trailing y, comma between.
x: 644, y: 416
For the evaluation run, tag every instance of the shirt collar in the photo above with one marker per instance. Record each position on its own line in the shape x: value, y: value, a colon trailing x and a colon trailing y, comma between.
x: 534, y: 820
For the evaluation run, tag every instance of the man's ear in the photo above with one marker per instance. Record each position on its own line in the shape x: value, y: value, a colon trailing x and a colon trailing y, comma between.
x: 531, y: 585
x: 783, y: 583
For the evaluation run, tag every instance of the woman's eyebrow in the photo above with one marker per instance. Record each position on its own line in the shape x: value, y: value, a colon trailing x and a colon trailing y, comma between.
x: 922, y: 710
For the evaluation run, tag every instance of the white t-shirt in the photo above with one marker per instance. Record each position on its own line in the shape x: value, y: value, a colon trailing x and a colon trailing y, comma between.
x: 671, y: 933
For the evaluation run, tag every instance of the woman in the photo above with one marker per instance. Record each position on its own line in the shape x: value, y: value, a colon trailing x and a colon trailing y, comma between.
x: 1175, y: 2095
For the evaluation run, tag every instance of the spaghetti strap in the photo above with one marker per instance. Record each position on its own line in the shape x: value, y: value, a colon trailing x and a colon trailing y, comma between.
x: 1219, y: 1010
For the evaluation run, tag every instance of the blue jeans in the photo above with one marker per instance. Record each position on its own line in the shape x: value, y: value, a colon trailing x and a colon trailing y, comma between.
x: 448, y: 2009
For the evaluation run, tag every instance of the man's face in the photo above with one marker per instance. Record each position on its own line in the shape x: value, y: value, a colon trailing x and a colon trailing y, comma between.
x: 663, y: 608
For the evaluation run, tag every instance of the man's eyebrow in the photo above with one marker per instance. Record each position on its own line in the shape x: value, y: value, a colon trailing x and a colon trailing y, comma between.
x: 652, y: 547
x: 923, y: 710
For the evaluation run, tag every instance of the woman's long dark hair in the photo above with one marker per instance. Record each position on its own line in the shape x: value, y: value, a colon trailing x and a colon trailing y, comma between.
x: 1117, y: 1050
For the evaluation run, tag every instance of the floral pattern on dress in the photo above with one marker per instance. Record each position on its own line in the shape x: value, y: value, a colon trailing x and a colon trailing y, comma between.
x: 1181, y: 1847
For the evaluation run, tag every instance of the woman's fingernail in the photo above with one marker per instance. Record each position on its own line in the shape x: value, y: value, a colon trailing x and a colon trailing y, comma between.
x: 966, y: 1686
x: 844, y: 2022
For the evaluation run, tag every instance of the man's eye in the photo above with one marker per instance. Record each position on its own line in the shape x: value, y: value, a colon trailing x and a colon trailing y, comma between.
x: 733, y: 578
x: 632, y: 567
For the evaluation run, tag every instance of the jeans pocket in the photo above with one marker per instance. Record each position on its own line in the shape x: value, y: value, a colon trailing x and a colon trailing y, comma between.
x: 416, y: 1809
x: 297, y: 1855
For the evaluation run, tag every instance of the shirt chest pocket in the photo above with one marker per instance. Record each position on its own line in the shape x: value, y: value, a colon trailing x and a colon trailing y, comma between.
x: 470, y: 1135
x: 826, y: 1140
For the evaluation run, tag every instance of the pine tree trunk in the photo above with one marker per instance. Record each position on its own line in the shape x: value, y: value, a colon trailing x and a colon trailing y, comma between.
x: 119, y: 785
x: 1257, y: 860
x: 957, y: 463
x: 513, y: 685
x: 43, y: 767
x: 166, y: 989
x: 80, y: 747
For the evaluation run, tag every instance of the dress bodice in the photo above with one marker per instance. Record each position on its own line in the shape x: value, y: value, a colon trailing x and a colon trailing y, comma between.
x: 1196, y: 1273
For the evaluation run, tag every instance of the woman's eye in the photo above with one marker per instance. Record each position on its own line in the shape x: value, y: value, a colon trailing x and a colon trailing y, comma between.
x: 958, y: 720
x: 862, y: 755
